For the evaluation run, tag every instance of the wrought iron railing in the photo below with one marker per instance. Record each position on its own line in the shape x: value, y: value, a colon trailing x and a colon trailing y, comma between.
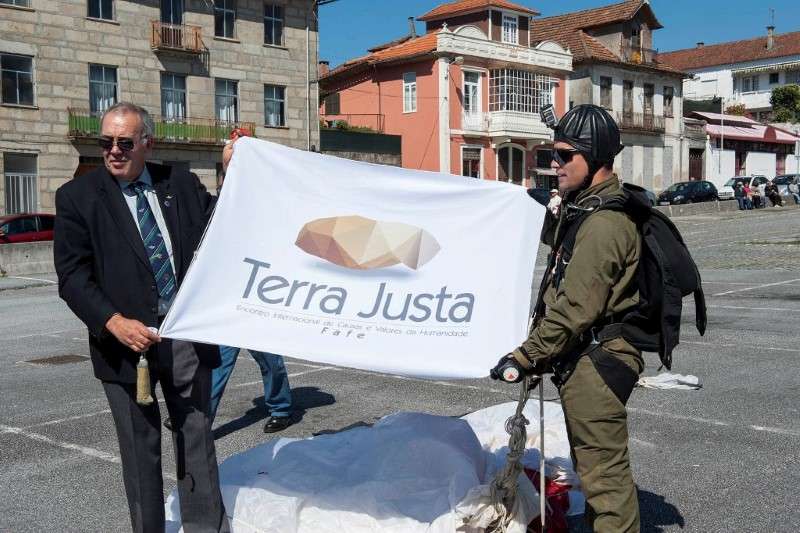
x: 83, y: 124
x: 176, y: 37
x: 640, y: 122
x: 639, y: 55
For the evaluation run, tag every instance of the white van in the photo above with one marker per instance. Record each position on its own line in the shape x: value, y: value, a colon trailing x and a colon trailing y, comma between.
x: 726, y: 191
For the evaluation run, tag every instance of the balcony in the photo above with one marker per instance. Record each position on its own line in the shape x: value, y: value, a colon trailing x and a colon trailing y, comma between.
x: 505, y: 124
x: 206, y: 131
x: 641, y: 122
x: 518, y: 124
x: 178, y: 38
x: 639, y: 55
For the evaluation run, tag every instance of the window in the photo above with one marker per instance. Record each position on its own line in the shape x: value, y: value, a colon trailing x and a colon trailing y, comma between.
x: 46, y: 223
x: 409, y: 92
x: 605, y: 92
x: 669, y: 94
x: 510, y: 33
x: 273, y: 24
x: 224, y: 18
x: 101, y: 9
x: 21, y: 3
x: 20, y: 183
x: 519, y: 90
x: 793, y: 76
x: 544, y: 158
x: 172, y: 11
x: 774, y: 77
x: 102, y: 88
x: 17, y: 79
x: 627, y: 97
x: 274, y: 105
x: 749, y: 84
x: 511, y: 164
x: 471, y: 161
x: 472, y: 103
x: 226, y: 100
x: 649, y: 92
x: 333, y: 104
x: 173, y: 96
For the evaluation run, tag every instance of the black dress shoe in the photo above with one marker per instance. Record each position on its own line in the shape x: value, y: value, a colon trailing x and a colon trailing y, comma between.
x: 277, y: 423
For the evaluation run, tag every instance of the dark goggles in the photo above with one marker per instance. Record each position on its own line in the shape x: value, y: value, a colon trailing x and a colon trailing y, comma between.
x: 562, y: 157
x: 123, y: 143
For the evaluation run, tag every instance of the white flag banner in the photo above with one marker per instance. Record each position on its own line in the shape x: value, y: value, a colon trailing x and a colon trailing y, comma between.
x: 360, y: 265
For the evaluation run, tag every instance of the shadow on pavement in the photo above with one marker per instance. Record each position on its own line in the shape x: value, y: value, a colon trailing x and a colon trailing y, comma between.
x: 303, y: 399
x: 655, y: 514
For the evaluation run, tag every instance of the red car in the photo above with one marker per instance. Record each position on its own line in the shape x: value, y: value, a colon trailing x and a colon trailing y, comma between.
x: 26, y: 227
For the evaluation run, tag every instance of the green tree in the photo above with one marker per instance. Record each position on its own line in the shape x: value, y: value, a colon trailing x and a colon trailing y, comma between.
x: 785, y: 103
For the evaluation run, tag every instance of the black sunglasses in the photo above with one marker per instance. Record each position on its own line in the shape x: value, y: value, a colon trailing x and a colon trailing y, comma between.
x: 563, y: 157
x: 124, y: 144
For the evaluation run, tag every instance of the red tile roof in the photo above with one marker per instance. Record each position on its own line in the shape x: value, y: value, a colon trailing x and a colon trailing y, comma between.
x: 467, y: 6
x: 785, y: 44
x: 407, y: 49
x: 572, y: 30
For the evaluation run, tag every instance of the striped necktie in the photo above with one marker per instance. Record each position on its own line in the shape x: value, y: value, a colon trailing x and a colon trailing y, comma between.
x: 154, y: 245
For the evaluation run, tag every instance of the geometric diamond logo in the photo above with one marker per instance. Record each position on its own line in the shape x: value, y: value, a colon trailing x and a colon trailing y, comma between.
x: 362, y: 243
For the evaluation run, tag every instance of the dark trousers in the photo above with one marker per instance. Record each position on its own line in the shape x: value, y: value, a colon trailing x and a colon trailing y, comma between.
x: 186, y: 386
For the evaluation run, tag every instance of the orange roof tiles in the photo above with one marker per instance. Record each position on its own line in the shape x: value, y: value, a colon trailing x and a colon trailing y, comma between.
x: 785, y: 44
x: 466, y: 6
x: 411, y: 48
x: 571, y: 30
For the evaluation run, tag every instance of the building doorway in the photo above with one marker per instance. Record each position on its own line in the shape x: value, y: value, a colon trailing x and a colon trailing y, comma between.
x: 511, y: 164
x: 696, y: 163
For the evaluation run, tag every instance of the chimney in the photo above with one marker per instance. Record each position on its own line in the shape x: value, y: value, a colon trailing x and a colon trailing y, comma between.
x: 323, y: 68
x: 412, y: 28
x: 700, y: 44
x: 770, y: 37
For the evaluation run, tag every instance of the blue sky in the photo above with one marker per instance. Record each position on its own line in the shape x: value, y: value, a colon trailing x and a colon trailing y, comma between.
x: 349, y: 27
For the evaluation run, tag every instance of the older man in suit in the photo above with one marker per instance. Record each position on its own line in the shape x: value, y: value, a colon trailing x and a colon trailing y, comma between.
x: 124, y: 237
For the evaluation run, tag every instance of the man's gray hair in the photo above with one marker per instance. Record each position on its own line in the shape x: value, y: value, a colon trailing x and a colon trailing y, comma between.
x: 148, y: 128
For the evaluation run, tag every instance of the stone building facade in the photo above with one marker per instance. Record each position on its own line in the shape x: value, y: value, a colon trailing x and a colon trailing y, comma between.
x: 201, y: 67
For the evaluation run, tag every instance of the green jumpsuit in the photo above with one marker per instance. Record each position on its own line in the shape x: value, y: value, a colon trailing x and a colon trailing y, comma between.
x: 598, y: 282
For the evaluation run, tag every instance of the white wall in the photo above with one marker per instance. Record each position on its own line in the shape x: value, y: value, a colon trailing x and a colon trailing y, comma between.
x: 792, y: 164
x: 712, y: 164
x: 760, y: 163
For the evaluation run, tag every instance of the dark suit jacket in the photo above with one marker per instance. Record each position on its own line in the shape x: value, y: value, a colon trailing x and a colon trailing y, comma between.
x: 101, y: 262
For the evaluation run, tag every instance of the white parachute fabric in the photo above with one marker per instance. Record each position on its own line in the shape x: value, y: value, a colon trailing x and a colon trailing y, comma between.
x: 408, y: 473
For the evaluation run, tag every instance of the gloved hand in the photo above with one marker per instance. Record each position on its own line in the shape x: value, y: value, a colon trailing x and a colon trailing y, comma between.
x: 508, y: 369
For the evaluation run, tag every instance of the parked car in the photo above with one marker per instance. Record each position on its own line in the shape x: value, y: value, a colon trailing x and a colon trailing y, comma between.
x: 688, y: 192
x: 26, y: 227
x: 783, y: 182
x: 726, y: 191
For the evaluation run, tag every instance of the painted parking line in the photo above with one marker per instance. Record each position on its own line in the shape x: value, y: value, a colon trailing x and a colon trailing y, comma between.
x: 757, y: 287
x: 713, y: 422
x: 88, y: 451
x: 740, y: 345
x: 293, y: 375
x: 50, y: 281
x: 46, y: 333
x: 740, y: 307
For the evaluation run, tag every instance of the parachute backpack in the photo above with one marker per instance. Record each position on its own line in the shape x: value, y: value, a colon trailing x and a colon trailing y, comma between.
x: 666, y: 274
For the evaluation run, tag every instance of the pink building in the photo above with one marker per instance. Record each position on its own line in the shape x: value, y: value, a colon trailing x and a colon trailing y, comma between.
x: 465, y: 97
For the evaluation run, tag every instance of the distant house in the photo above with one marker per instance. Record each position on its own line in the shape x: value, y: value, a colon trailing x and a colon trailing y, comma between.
x: 750, y: 148
x: 740, y: 72
x: 465, y: 97
x: 617, y: 67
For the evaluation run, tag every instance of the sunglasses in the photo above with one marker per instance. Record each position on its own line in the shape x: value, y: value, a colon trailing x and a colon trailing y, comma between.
x: 124, y: 144
x: 563, y: 157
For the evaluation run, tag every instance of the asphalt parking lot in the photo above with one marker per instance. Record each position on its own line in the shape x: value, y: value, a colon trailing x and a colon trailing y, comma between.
x: 720, y: 459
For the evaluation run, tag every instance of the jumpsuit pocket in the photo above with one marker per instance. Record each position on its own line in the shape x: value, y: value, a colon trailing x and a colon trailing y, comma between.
x: 617, y: 375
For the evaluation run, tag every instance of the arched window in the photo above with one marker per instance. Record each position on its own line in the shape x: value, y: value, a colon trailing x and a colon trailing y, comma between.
x: 511, y: 164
